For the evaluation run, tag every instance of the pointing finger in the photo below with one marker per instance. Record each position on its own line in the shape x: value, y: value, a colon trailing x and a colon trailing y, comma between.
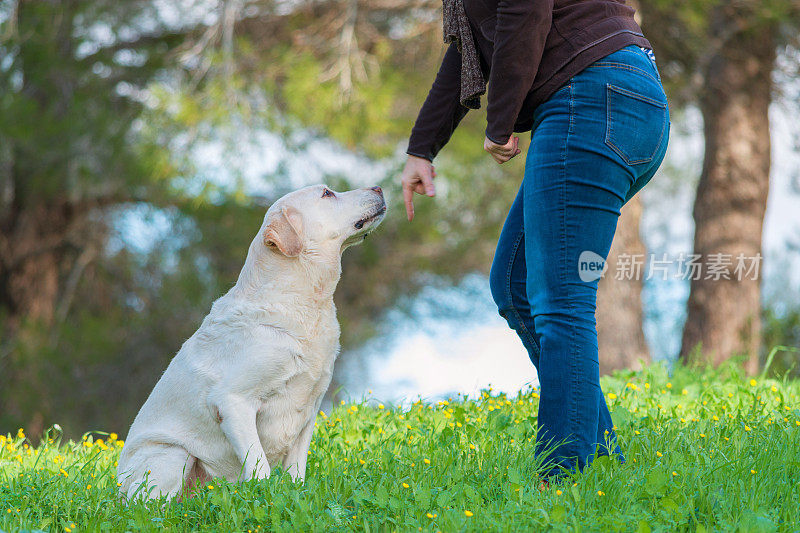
x: 408, y: 197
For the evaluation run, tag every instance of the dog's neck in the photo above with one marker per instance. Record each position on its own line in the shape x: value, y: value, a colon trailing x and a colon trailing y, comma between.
x: 268, y: 272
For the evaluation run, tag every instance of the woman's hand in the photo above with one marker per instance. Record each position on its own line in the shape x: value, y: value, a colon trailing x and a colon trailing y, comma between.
x: 502, y: 152
x: 417, y: 177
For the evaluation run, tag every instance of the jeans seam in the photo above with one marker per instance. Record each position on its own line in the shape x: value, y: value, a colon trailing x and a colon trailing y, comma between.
x: 650, y: 59
x: 634, y: 94
x: 573, y: 409
x: 623, y: 66
x: 509, y: 297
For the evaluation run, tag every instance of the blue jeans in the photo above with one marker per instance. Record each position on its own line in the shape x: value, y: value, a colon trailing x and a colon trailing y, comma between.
x: 596, y: 142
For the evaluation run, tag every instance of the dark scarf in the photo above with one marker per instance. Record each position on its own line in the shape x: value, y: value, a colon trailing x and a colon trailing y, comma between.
x: 456, y: 29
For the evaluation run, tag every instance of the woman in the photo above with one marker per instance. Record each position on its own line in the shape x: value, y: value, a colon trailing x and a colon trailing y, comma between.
x: 582, y: 77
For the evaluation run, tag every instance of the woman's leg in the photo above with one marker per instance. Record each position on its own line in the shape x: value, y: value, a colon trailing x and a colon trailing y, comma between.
x: 588, y: 149
x: 508, y: 279
x: 508, y: 282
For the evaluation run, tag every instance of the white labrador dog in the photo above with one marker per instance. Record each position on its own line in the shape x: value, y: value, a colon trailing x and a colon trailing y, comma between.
x: 242, y: 393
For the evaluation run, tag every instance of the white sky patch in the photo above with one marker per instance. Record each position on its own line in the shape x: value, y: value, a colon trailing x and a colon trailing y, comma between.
x: 260, y: 155
x: 782, y: 221
x: 438, y: 367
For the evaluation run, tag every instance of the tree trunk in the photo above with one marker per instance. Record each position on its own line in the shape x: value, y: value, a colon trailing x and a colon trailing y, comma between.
x: 723, y: 318
x: 619, y: 301
x: 33, y: 245
x: 34, y: 252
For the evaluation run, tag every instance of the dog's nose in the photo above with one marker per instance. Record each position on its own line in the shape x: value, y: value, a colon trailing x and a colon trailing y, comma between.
x: 377, y: 189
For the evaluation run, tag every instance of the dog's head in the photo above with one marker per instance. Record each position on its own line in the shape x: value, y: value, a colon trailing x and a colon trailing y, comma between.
x: 318, y: 219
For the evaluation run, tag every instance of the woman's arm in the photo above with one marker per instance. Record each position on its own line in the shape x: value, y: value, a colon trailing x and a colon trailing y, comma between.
x: 520, y: 34
x: 442, y: 110
x: 437, y: 119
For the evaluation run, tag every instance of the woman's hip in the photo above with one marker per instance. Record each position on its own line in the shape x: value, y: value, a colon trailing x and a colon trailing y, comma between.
x: 608, y: 127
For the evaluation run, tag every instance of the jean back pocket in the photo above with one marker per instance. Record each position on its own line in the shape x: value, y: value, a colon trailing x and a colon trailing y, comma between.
x: 635, y: 124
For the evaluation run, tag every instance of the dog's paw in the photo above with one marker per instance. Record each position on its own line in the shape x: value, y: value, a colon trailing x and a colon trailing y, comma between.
x: 257, y: 469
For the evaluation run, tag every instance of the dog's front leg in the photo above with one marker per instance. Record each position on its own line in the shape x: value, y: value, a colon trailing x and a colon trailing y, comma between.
x: 297, y: 458
x: 237, y: 419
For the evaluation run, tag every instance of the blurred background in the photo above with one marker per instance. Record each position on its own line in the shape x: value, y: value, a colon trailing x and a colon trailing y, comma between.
x: 141, y: 142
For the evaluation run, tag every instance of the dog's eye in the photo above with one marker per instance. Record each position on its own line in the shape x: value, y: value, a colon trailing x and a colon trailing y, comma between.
x: 327, y: 193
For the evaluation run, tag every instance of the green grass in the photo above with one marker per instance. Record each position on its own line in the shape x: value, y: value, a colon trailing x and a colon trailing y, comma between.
x: 706, y: 451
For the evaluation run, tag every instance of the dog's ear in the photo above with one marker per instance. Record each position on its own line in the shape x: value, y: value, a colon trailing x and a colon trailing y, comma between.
x: 284, y: 232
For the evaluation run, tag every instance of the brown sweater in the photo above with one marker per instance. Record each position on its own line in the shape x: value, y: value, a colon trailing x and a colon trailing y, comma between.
x: 528, y: 49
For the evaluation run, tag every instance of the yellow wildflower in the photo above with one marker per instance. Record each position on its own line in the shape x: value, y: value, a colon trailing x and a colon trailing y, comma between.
x: 468, y: 513
x: 405, y: 485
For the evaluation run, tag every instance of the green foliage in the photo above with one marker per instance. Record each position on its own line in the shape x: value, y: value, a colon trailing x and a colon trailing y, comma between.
x: 705, y: 451
x: 782, y: 329
x: 686, y: 34
x: 66, y: 122
x: 364, y: 121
